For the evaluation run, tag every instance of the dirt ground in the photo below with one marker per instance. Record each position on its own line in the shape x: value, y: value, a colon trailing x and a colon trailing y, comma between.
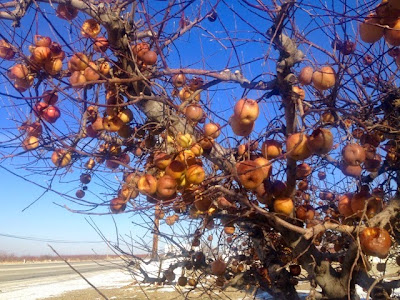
x: 159, y: 293
x: 151, y: 293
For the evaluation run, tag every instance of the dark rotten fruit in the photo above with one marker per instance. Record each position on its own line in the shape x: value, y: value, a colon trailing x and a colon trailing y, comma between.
x: 218, y: 267
x: 305, y: 212
x: 295, y: 270
x: 85, y: 178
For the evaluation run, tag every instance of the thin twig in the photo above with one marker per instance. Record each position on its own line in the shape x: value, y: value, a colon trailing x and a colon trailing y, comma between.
x: 79, y: 273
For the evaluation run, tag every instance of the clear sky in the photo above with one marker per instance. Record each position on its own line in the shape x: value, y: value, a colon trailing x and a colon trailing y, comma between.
x: 46, y: 221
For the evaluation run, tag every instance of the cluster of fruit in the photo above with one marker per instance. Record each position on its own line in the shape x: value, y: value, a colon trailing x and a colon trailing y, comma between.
x: 46, y: 56
x: 83, y: 70
x: 181, y: 171
x: 45, y: 110
x: 187, y: 94
x: 384, y: 22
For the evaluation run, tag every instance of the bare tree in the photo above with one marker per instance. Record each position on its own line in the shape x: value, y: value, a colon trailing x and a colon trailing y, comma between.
x: 270, y: 126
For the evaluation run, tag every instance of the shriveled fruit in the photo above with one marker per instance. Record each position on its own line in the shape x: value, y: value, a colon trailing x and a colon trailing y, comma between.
x: 32, y: 129
x: 18, y: 71
x: 265, y: 165
x: 149, y: 58
x: 302, y: 171
x: 326, y: 195
x: 147, y: 184
x: 162, y: 160
x: 112, y: 123
x: 373, y: 164
x: 321, y: 175
x: 100, y: 44
x: 305, y: 212
x: 117, y: 205
x: 90, y: 28
x: 61, y: 158
x: 192, y: 282
x: 320, y: 141
x: 358, y: 202
x: 182, y: 281
x: 218, y: 267
x: 78, y: 62
x: 79, y: 194
x: 6, y: 50
x: 302, y: 185
x: 295, y: 270
x: 176, y: 169
x: 250, y: 174
x: 203, y: 204
x: 178, y: 80
x: 85, y: 178
x: 30, y: 143
x: 327, y: 118
x: 51, y: 114
x: 194, y: 112
x: 195, y: 174
x: 166, y: 186
x: 212, y: 130
x: 66, y: 11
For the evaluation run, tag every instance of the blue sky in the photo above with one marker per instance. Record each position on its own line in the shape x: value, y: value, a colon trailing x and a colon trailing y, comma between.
x: 44, y: 219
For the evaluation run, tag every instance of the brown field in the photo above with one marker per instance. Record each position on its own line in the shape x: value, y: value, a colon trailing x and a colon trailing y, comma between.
x: 11, y: 258
x: 145, y: 293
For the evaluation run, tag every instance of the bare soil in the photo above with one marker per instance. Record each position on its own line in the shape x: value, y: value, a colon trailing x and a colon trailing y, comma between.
x: 145, y: 293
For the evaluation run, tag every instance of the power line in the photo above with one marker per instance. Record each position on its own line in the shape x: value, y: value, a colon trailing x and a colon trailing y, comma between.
x: 29, y: 238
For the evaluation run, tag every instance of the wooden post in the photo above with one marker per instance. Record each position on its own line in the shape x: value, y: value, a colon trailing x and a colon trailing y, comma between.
x: 154, y: 251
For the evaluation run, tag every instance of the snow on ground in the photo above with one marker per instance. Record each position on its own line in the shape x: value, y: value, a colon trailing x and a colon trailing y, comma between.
x: 54, y: 286
x: 363, y: 294
x: 60, y: 284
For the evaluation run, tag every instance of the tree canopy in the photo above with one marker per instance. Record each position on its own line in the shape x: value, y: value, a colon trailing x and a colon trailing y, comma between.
x: 264, y: 134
